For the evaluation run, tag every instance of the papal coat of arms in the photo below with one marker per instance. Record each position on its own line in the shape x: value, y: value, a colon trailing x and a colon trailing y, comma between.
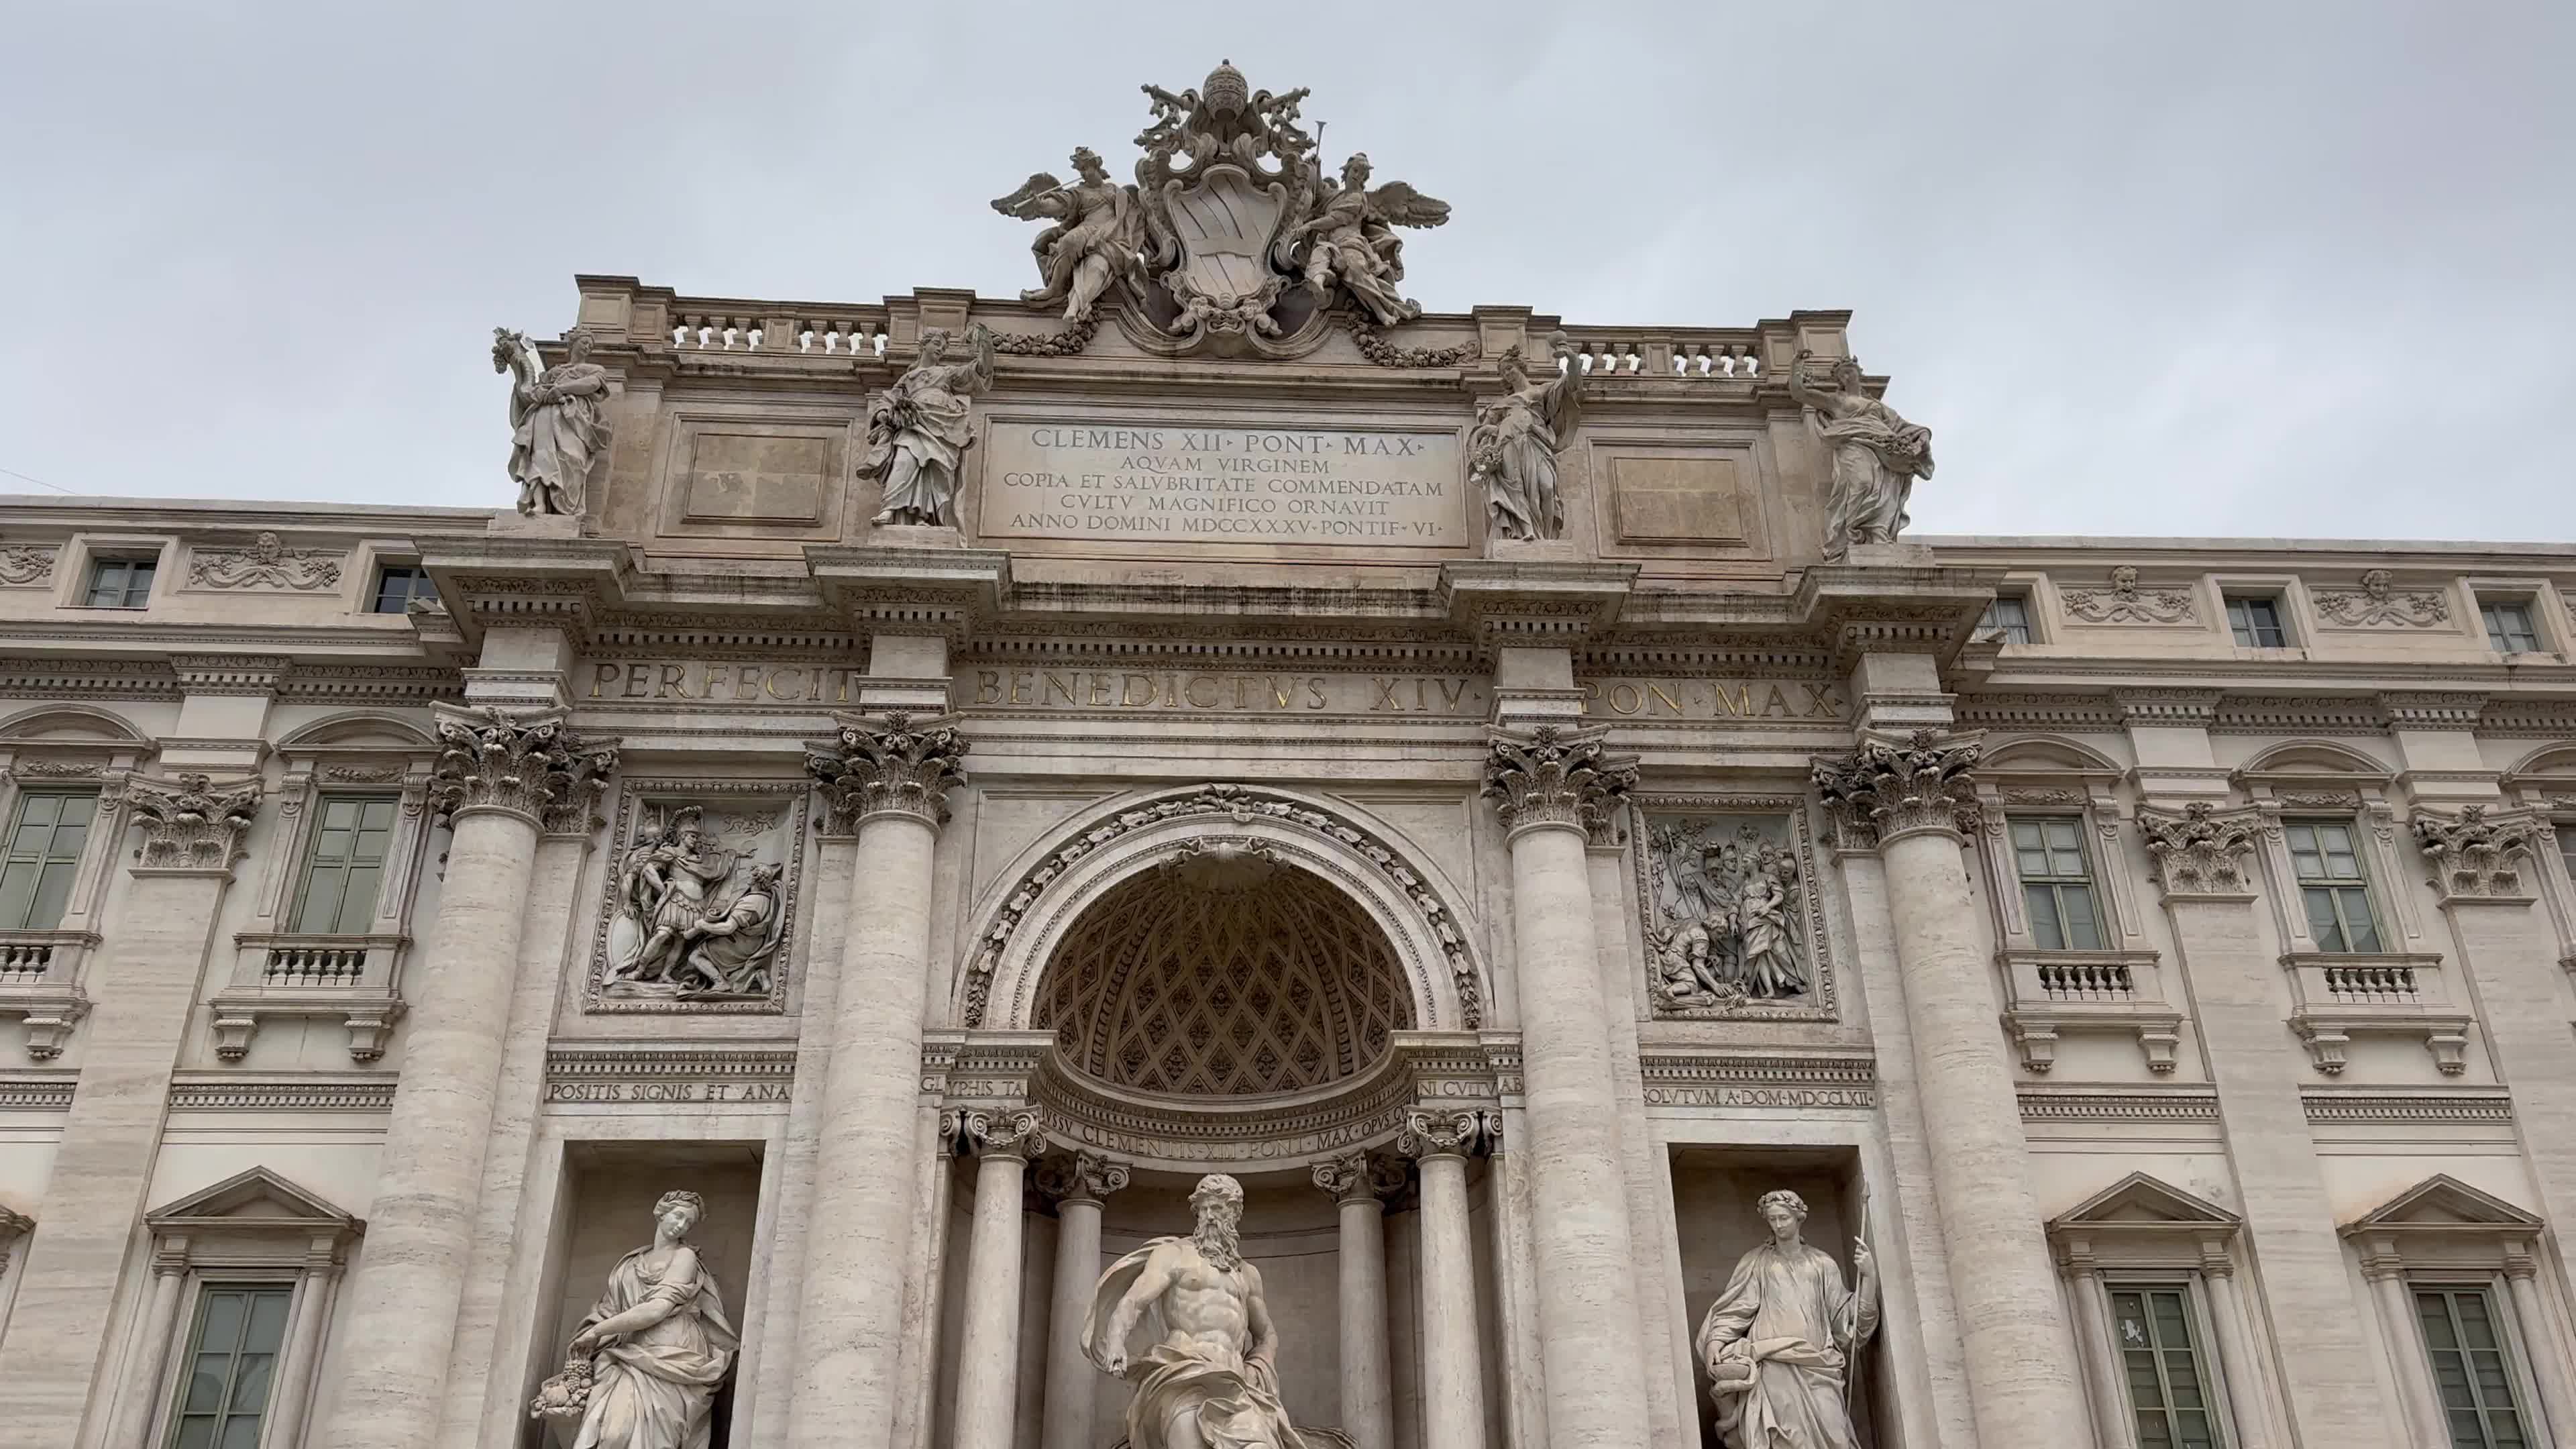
x: 1233, y: 235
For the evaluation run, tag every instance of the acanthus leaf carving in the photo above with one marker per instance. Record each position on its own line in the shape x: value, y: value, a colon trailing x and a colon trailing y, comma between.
x: 888, y: 767
x: 530, y: 763
x: 189, y: 825
x: 1881, y: 791
x: 2199, y: 852
x: 1556, y: 777
x: 2474, y: 856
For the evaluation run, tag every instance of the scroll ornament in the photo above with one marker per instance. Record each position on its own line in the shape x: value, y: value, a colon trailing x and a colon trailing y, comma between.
x: 2125, y: 603
x: 2380, y: 604
x: 267, y: 564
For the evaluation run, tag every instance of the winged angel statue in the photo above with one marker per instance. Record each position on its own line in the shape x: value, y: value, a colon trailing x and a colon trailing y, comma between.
x: 1230, y: 211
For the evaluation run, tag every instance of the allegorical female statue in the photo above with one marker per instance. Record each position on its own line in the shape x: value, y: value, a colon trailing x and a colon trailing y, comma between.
x: 1097, y: 239
x: 558, y: 429
x: 919, y: 430
x: 1778, y: 1342
x: 1513, y: 446
x: 658, y: 1345
x: 1877, y: 455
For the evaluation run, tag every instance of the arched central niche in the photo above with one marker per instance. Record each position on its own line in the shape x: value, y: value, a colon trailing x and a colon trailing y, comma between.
x: 1223, y: 974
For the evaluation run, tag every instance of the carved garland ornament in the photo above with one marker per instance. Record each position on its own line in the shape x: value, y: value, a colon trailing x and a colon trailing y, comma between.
x: 189, y: 826
x: 267, y: 564
x: 2198, y: 852
x: 530, y: 764
x: 1881, y: 791
x: 2473, y: 856
x: 2377, y: 604
x: 2125, y: 603
x: 27, y: 565
x: 888, y: 768
x: 1242, y: 804
x: 1556, y: 778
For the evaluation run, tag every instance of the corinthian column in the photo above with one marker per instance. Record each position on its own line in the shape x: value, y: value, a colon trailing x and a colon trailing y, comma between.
x: 1368, y: 1411
x: 1552, y: 788
x: 1908, y: 800
x: 1453, y: 1375
x: 891, y: 779
x: 988, y: 1339
x: 499, y: 774
x: 145, y: 980
x: 1072, y: 1384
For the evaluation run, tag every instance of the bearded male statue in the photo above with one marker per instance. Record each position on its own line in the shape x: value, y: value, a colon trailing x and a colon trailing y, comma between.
x: 1184, y: 1318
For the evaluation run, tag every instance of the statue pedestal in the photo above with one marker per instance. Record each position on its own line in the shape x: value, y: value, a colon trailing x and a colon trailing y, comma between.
x: 1531, y: 550
x: 916, y: 535
x: 1890, y: 556
x: 537, y: 525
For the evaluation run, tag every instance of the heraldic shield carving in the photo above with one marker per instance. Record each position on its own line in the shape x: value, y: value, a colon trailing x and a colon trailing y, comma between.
x: 1233, y: 238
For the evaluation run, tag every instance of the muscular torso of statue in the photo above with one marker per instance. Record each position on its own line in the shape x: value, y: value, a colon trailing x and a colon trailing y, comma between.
x: 1206, y: 1307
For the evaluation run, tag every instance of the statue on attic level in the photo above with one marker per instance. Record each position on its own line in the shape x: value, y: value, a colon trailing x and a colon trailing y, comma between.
x: 1876, y: 454
x: 920, y: 428
x: 1097, y: 238
x: 1354, y: 244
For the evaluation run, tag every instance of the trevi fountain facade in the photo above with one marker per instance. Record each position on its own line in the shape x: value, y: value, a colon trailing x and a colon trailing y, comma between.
x: 1205, y: 858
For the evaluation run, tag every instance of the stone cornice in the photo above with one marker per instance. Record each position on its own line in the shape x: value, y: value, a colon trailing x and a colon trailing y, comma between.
x: 1535, y: 603
x: 946, y: 592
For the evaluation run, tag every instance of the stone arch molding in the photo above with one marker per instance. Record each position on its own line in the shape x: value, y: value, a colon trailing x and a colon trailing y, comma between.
x: 1074, y: 865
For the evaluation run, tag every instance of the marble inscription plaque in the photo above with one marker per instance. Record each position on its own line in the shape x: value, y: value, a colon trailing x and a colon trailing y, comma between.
x: 1223, y: 483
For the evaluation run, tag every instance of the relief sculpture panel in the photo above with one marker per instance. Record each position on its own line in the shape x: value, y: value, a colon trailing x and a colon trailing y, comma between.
x: 1727, y: 908
x: 699, y: 914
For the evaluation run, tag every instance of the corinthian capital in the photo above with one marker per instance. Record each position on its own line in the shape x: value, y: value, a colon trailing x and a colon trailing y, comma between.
x: 888, y: 767
x: 189, y: 825
x: 2199, y: 852
x: 1081, y: 1176
x: 1881, y: 791
x: 2475, y: 858
x: 524, y: 762
x: 1556, y: 777
x: 981, y: 1133
x: 1450, y: 1134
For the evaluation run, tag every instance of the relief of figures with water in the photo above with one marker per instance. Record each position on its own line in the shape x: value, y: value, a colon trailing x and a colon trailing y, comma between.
x: 698, y: 909
x: 1727, y: 919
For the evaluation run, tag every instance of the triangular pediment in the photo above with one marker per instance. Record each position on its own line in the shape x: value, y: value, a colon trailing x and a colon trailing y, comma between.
x: 2142, y: 1201
x: 2443, y: 1201
x: 255, y: 1198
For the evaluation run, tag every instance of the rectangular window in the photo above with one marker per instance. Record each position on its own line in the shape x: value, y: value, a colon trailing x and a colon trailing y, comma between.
x: 232, y: 1356
x: 2509, y: 628
x: 2333, y: 886
x: 44, y: 850
x: 398, y: 584
x: 2255, y: 619
x: 2007, y: 619
x: 344, y: 864
x: 120, y: 583
x: 2056, y: 883
x: 2470, y: 1371
x: 2567, y: 848
x: 2160, y: 1359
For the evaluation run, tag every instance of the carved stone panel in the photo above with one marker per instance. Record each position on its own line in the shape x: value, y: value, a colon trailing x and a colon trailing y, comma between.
x: 1727, y: 906
x: 699, y: 911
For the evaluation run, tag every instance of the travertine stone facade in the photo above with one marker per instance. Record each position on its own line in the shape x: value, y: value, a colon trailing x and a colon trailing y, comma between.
x: 1508, y: 828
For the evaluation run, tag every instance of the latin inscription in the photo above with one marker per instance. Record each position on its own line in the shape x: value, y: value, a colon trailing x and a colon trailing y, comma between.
x: 727, y: 1093
x: 1165, y: 691
x: 1214, y: 483
x: 1776, y: 1098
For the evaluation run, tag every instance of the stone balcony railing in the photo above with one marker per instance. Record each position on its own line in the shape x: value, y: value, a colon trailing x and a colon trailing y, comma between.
x: 353, y: 979
x: 40, y: 975
x: 2335, y: 997
x: 2050, y: 993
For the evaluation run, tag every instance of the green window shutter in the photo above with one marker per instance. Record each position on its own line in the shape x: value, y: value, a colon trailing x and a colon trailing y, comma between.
x: 47, y: 833
x: 344, y: 865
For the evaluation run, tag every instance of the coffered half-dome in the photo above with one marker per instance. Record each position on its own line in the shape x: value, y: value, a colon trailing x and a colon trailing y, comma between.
x: 1223, y: 976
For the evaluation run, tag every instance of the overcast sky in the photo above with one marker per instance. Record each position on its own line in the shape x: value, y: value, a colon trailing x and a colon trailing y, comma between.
x: 2303, y: 270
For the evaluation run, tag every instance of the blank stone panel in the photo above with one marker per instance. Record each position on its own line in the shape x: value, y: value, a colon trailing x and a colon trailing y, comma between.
x: 1684, y: 497
x: 757, y: 478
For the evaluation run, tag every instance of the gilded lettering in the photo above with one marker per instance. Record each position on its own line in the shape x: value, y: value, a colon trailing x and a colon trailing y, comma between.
x: 1656, y: 692
x: 1052, y: 684
x: 988, y: 686
x: 1777, y: 704
x: 746, y: 681
x: 778, y: 672
x: 1386, y: 699
x: 1127, y: 690
x: 1098, y: 695
x: 601, y: 674
x: 1192, y: 691
x: 1631, y: 704
x: 675, y: 677
x: 1452, y: 693
x: 1023, y: 687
